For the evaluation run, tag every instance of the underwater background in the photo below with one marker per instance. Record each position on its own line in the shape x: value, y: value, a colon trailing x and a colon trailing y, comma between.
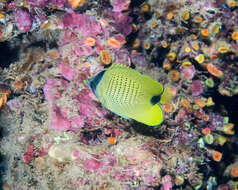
x: 57, y: 134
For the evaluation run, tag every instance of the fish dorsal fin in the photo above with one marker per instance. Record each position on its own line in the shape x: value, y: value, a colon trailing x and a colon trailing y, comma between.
x: 118, y: 66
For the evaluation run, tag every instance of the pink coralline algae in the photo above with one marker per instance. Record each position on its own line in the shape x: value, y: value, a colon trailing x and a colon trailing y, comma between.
x: 80, y: 49
x: 31, y: 152
x: 67, y: 71
x: 122, y: 23
x: 58, y: 3
x: 62, y: 122
x: 167, y: 183
x: 188, y: 72
x: 92, y: 164
x: 59, y: 120
x: 29, y: 155
x: 86, y: 24
x: 37, y: 3
x: 51, y: 88
x: 23, y: 19
x: 197, y: 88
x: 122, y: 56
x: 120, y: 5
x: 42, y: 3
x: 182, y: 116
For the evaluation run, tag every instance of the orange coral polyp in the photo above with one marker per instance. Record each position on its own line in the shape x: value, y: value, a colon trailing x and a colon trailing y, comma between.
x: 170, y: 15
x: 174, y: 75
x: 231, y: 3
x: 164, y: 45
x: 111, y: 140
x: 167, y: 66
x: 205, y: 32
x: 234, y: 172
x: 200, y: 102
x: 113, y: 43
x: 186, y: 15
x: 168, y: 108
x: 105, y: 57
x: 147, y: 45
x: 217, y: 156
x: 185, y: 103
x: 234, y: 35
x: 206, y: 131
x: 75, y: 3
x: 90, y: 41
x: 215, y: 71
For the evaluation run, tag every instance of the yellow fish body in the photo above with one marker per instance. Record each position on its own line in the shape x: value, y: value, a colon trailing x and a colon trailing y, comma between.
x: 129, y: 94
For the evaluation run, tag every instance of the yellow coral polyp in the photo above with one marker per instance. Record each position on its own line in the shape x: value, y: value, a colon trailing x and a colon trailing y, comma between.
x: 209, y: 102
x: 171, y: 56
x: 136, y: 43
x: 134, y: 27
x: 174, y: 75
x: 168, y: 94
x: 154, y: 24
x: 185, y: 103
x: 198, y: 19
x: 222, y: 50
x: 187, y: 49
x: 186, y: 15
x: 194, y: 37
x: 221, y: 139
x: 186, y: 64
x: 145, y: 8
x: 147, y: 45
x: 200, y: 58
x: 195, y: 46
x: 2, y: 15
x: 228, y: 129
x: 216, y: 28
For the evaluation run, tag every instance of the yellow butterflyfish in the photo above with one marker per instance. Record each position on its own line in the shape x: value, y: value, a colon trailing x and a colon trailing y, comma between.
x: 129, y: 94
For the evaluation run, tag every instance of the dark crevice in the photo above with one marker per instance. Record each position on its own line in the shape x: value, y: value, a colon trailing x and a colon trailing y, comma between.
x: 7, y: 54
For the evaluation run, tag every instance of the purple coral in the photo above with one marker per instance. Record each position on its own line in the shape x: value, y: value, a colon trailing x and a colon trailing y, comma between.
x: 197, y: 88
x: 120, y: 5
x: 188, y: 72
x: 23, y: 19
